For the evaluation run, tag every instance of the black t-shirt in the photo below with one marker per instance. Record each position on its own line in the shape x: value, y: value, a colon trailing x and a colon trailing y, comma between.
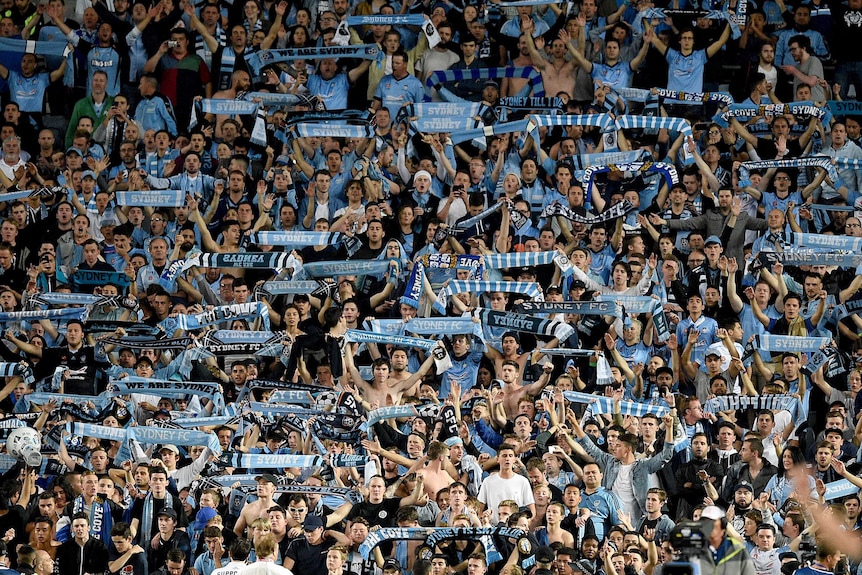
x: 382, y: 514
x: 136, y: 565
x: 158, y: 505
x: 767, y: 149
x: 307, y: 557
x: 82, y: 378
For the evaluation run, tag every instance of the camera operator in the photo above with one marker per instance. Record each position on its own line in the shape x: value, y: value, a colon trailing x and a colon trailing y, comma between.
x: 828, y: 558
x: 723, y: 555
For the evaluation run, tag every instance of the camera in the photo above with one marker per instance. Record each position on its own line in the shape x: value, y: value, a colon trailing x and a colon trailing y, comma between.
x: 688, y: 540
x: 173, y: 43
x: 662, y: 390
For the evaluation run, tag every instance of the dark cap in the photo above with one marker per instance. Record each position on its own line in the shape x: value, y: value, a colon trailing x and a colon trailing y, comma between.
x: 554, y: 288
x: 267, y: 477
x: 527, y: 270
x: 743, y: 485
x: 168, y: 512
x: 581, y: 566
x: 491, y: 83
x: 578, y: 284
x: 312, y: 522
x: 545, y: 554
x: 664, y: 369
x: 164, y: 412
x: 391, y: 564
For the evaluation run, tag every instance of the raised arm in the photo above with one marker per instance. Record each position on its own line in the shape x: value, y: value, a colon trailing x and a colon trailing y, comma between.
x: 713, y: 48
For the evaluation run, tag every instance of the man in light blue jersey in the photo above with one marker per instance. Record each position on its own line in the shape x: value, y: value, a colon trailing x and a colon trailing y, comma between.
x: 27, y: 88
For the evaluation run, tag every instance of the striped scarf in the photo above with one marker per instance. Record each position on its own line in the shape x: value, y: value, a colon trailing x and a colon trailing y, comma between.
x: 461, y: 74
x: 722, y: 97
x: 605, y: 405
x: 618, y: 210
x: 824, y: 162
x: 668, y: 170
x: 146, y: 532
x: 524, y: 323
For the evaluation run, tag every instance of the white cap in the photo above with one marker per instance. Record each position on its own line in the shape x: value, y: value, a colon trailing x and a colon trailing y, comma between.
x: 712, y: 512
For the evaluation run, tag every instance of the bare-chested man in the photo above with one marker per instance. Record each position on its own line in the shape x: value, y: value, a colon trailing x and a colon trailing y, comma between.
x: 558, y: 75
x: 378, y: 390
x: 511, y: 86
x: 260, y: 508
x: 513, y: 390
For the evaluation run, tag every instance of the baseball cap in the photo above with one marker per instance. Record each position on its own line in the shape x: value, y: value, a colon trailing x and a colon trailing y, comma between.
x: 545, y: 554
x: 168, y: 512
x: 491, y: 83
x: 579, y: 284
x: 554, y: 288
x: 312, y: 522
x: 88, y: 174
x: 713, y: 240
x: 391, y: 564
x: 743, y: 485
x: 267, y: 477
x: 169, y: 447
x: 74, y: 150
x: 712, y: 512
x: 527, y: 270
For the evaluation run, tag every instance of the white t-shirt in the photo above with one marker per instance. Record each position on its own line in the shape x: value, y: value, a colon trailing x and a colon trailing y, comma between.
x: 624, y: 489
x: 495, y: 489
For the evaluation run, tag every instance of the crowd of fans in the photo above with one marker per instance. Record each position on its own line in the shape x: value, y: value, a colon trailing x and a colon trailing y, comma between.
x: 612, y: 442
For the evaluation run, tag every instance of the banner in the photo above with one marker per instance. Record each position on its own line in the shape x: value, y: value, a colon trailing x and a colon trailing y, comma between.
x: 571, y: 307
x: 845, y: 107
x: 613, y: 212
x: 345, y: 268
x: 152, y: 198
x: 334, y: 130
x: 531, y: 103
x: 227, y: 107
x: 257, y: 60
x: 524, y: 323
x: 248, y: 311
x: 245, y: 260
x: 757, y: 403
x: 296, y: 239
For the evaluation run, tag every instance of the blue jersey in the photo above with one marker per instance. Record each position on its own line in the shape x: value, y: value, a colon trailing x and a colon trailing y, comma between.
x: 685, y: 73
x: 604, y: 506
x: 463, y: 371
x: 28, y: 93
x: 706, y: 326
x: 617, y: 76
x: 108, y: 61
x: 394, y: 93
x: 333, y: 93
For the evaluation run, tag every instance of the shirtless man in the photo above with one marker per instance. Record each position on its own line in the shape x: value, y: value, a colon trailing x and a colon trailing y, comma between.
x: 510, y: 344
x: 511, y: 86
x: 265, y: 488
x: 240, y: 83
x: 513, y: 391
x: 231, y: 234
x: 558, y: 75
x: 399, y: 373
x: 378, y: 390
